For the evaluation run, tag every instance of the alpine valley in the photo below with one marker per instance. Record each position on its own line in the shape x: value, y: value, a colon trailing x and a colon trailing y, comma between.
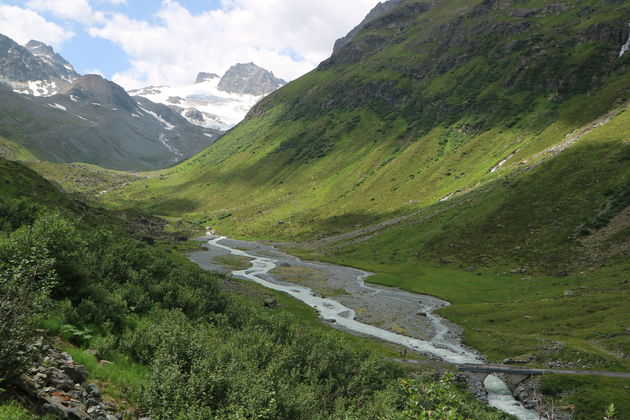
x: 432, y: 224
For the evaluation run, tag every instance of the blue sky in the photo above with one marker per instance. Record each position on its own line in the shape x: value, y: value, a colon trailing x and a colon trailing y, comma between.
x: 141, y: 42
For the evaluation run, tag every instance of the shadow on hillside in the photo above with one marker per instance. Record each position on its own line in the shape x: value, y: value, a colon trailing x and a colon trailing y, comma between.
x: 336, y: 225
x: 170, y: 205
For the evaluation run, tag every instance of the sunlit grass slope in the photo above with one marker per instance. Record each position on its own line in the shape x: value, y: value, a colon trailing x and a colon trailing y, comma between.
x: 423, y: 104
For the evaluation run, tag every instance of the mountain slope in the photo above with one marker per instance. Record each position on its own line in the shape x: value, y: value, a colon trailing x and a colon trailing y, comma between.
x: 473, y: 150
x: 64, y: 117
x: 95, y: 121
x: 426, y: 103
x: 379, y: 10
x: 34, y: 69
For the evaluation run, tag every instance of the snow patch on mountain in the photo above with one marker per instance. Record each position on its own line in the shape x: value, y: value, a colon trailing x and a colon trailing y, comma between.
x: 58, y: 106
x: 170, y: 147
x: 165, y: 123
x: 203, y: 104
x: 36, y: 88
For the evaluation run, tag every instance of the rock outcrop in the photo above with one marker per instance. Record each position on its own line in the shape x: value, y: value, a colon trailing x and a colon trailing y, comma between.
x: 249, y: 79
x: 34, y: 69
x: 378, y: 11
x: 203, y: 76
x: 59, y: 387
x: 47, y: 54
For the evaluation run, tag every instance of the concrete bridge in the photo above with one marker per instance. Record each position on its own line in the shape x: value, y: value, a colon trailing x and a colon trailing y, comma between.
x: 514, y: 374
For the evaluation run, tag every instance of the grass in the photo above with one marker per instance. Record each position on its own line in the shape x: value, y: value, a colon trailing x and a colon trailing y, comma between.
x: 13, y: 410
x: 586, y: 394
x: 119, y: 381
x: 532, y: 270
x: 89, y: 181
x: 232, y: 262
x: 314, y: 279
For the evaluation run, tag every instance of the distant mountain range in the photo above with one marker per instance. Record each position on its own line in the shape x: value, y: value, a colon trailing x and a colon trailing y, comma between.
x: 61, y: 116
x: 214, y: 102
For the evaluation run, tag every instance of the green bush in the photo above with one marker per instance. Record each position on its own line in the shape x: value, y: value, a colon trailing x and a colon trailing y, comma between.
x: 26, y: 278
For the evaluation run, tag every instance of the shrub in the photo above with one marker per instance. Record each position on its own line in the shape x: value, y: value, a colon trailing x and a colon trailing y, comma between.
x: 26, y: 279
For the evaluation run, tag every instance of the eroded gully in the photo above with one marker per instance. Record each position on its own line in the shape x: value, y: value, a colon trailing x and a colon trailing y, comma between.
x: 402, y: 318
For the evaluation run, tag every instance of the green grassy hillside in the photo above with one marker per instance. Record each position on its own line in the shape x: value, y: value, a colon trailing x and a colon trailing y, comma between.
x: 475, y: 150
x: 428, y: 103
x: 181, y: 348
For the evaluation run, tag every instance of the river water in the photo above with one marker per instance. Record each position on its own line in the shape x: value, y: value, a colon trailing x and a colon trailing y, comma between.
x: 437, y: 336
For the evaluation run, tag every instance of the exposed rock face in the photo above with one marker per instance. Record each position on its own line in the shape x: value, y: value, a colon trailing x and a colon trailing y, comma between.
x: 47, y: 54
x: 59, y: 388
x: 249, y: 79
x: 35, y: 69
x: 394, y: 20
x: 94, y: 89
x: 203, y: 76
x: 378, y: 11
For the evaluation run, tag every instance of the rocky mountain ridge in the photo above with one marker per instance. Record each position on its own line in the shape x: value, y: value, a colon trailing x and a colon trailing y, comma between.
x: 249, y: 79
x: 378, y: 11
x: 33, y: 69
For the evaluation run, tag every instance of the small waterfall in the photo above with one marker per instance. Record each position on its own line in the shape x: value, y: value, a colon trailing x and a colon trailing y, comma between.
x: 625, y: 48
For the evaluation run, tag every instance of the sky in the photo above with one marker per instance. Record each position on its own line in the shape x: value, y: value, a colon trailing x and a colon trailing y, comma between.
x: 138, y: 43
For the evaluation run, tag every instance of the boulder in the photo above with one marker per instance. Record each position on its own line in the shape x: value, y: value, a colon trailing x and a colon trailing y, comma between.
x: 54, y: 409
x: 60, y: 380
x: 77, y: 373
x: 77, y: 414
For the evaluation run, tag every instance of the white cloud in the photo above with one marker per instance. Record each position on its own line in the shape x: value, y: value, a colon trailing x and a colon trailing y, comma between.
x: 22, y: 25
x: 285, y: 36
x: 74, y: 10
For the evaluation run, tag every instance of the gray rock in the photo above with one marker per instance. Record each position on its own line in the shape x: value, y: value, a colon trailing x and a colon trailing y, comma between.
x: 92, y: 402
x: 249, y: 79
x: 194, y: 114
x: 107, y: 406
x: 77, y: 414
x: 53, y: 409
x: 96, y: 411
x: 77, y: 373
x: 60, y: 380
x: 203, y: 76
x: 93, y: 391
x: 33, y: 62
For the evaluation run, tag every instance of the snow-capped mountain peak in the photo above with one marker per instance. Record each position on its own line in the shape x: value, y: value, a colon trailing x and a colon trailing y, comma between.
x: 213, y: 102
x: 33, y: 69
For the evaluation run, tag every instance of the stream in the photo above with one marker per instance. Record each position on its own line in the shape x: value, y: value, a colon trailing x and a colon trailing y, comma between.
x: 392, y: 315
